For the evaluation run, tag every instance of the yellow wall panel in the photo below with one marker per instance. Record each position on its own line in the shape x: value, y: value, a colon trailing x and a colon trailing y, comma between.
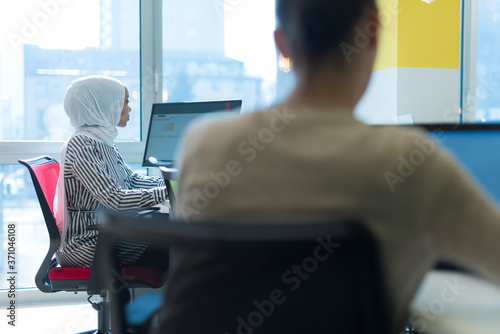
x: 387, y: 56
x: 429, y: 34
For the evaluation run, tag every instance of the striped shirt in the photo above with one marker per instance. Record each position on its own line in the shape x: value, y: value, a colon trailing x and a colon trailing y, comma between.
x: 97, y: 180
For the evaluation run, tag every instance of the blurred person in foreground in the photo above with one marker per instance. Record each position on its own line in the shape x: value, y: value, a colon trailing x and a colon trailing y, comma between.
x: 309, y: 159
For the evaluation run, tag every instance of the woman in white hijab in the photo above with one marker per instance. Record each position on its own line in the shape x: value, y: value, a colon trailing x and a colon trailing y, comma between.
x: 94, y: 178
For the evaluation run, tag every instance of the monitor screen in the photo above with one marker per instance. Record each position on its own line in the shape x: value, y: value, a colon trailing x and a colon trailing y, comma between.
x: 477, y: 147
x: 168, y: 122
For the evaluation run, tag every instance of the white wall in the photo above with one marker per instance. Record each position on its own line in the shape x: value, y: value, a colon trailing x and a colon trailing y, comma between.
x: 430, y: 95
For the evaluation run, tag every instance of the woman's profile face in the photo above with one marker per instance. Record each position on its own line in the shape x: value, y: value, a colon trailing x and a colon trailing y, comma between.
x: 125, y: 115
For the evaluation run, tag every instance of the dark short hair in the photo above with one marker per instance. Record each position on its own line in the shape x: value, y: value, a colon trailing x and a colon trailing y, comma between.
x: 315, y: 28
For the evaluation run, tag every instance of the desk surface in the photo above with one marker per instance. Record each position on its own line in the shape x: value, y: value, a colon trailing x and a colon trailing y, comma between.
x: 456, y: 303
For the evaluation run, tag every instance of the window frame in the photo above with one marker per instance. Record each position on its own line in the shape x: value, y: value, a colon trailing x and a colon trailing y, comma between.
x: 469, y: 60
x: 151, y: 87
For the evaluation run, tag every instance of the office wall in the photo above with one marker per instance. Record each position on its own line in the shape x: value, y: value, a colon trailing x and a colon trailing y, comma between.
x: 417, y: 71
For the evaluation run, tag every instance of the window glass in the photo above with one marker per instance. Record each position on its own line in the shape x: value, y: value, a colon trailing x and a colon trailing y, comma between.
x: 214, y: 50
x: 488, y: 66
x: 47, y: 44
x: 19, y: 207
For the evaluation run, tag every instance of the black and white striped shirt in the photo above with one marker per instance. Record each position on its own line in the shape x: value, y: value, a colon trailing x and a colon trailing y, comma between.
x: 96, y: 180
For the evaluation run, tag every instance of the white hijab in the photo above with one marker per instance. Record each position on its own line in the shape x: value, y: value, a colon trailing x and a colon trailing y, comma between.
x: 93, y: 105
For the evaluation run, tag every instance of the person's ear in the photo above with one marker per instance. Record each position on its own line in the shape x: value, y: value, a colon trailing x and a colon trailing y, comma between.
x: 281, y: 43
x: 373, y: 26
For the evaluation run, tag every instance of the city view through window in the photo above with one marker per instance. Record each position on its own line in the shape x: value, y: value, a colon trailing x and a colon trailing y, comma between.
x: 488, y: 66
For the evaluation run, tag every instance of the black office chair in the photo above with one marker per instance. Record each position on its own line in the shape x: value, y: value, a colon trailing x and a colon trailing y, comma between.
x: 51, y: 277
x: 262, y: 278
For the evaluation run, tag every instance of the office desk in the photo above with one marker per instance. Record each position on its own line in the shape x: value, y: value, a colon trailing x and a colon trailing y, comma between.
x: 449, y: 302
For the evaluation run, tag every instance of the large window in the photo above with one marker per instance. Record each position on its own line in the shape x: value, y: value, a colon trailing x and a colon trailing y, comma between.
x: 47, y: 44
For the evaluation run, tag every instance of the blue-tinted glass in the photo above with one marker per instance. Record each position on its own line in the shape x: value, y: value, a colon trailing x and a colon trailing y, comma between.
x: 488, y: 62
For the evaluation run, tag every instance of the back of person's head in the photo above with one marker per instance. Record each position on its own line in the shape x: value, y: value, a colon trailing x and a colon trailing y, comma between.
x: 317, y: 28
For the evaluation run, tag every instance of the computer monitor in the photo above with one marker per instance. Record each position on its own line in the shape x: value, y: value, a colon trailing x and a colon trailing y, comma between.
x: 477, y: 148
x: 168, y: 122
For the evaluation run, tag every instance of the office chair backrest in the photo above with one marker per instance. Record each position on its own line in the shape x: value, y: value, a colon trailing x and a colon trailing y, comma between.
x: 44, y: 172
x: 311, y: 283
x: 267, y: 278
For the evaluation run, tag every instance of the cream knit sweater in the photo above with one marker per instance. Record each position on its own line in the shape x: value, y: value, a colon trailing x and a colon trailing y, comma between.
x: 316, y: 162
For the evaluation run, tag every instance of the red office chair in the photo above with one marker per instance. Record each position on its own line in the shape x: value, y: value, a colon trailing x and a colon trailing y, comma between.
x: 51, y: 277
